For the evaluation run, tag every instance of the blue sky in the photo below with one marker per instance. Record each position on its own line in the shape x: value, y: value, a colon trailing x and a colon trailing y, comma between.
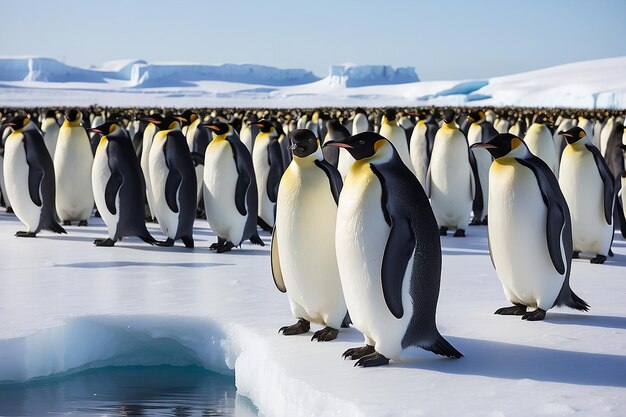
x: 449, y: 39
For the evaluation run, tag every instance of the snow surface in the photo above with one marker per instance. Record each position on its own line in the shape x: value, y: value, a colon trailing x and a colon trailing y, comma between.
x: 32, y: 81
x: 66, y: 305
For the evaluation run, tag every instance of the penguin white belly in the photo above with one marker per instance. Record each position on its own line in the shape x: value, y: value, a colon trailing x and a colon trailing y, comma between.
x: 72, y: 165
x: 419, y: 151
x: 100, y: 175
x: 148, y: 136
x: 450, y: 183
x: 50, y: 135
x: 361, y: 238
x: 583, y: 190
x: 16, y: 179
x: 220, y: 179
x: 305, y: 229
x: 540, y: 143
x: 360, y: 124
x: 483, y: 163
x: 246, y: 138
x: 168, y: 220
x: 345, y: 162
x: 262, y: 170
x: 517, y: 237
x: 397, y: 137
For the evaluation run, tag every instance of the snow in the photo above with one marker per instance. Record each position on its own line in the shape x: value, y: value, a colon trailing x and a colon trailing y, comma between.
x: 32, y: 81
x: 66, y: 305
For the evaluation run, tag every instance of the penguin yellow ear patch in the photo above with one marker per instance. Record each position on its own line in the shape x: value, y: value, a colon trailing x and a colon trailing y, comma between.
x: 379, y: 144
x: 581, y: 134
x: 26, y: 122
x: 515, y: 142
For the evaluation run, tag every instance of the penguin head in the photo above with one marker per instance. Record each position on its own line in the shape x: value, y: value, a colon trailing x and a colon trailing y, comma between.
x: 188, y: 117
x: 303, y: 142
x: 389, y: 115
x: 264, y: 125
x: 476, y: 116
x: 361, y: 146
x: 111, y: 129
x: 73, y: 117
x: 573, y: 135
x: 219, y: 128
x: 18, y: 123
x: 155, y: 119
x: 168, y: 122
x: 449, y: 117
x: 501, y: 145
x: 51, y: 114
x: 542, y: 118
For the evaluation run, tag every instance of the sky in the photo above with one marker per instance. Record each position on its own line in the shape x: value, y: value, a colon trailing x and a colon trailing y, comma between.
x: 449, y: 39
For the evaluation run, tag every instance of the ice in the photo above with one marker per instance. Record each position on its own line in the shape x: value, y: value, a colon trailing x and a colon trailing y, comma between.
x: 66, y: 305
x: 352, y: 75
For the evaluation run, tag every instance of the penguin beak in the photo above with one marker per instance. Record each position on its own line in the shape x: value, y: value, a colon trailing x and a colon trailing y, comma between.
x: 483, y: 146
x: 95, y: 130
x: 567, y: 135
x: 8, y: 124
x: 151, y: 120
x: 211, y: 127
x: 337, y: 144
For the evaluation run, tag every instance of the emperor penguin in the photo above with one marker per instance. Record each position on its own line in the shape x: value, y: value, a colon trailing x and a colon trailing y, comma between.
x: 360, y: 123
x: 50, y: 128
x: 540, y: 143
x: 194, y: 134
x: 421, y: 144
x: 29, y: 175
x: 530, y: 233
x: 152, y: 127
x: 450, y: 181
x: 73, y: 160
x: 306, y: 212
x: 230, y: 193
x: 480, y: 131
x: 586, y: 125
x: 173, y: 180
x: 118, y: 186
x: 388, y: 254
x: 588, y: 187
x: 396, y: 135
x: 268, y: 167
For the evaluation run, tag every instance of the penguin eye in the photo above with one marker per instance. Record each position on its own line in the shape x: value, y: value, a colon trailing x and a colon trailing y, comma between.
x: 310, y: 140
x: 361, y: 142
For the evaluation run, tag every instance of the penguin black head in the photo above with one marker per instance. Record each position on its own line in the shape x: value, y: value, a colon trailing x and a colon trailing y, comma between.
x: 218, y: 128
x: 543, y: 119
x: 264, y: 125
x: 303, y: 142
x: 500, y: 145
x: 17, y: 123
x: 476, y: 116
x: 73, y: 115
x: 168, y: 122
x: 189, y: 116
x: 361, y: 146
x: 155, y: 118
x: 51, y: 113
x: 390, y: 114
x: 449, y: 116
x: 573, y: 135
x: 111, y: 129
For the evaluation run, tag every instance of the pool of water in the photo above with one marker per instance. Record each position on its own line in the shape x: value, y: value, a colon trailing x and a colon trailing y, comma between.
x: 128, y: 391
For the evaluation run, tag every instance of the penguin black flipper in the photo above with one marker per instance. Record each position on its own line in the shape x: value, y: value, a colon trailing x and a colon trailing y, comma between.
x: 607, y: 180
x: 557, y: 208
x: 275, y: 159
x: 477, y: 203
x: 276, y: 272
x: 398, y: 251
x: 35, y: 173
x: 334, y: 177
x: 172, y: 183
x: 243, y: 179
x: 111, y: 190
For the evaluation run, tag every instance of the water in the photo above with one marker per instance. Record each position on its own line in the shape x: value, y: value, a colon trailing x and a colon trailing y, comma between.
x: 128, y: 391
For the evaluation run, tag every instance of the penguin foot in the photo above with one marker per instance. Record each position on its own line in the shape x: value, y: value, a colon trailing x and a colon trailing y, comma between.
x: 67, y: 223
x: 220, y: 242
x: 443, y: 231
x: 575, y: 254
x: 358, y: 353
x: 167, y: 243
x: 104, y: 242
x: 599, y: 259
x: 256, y: 240
x: 485, y: 222
x: 459, y: 233
x: 475, y: 222
x: 611, y: 254
x: 225, y: 247
x: 302, y: 326
x: 97, y: 214
x: 25, y: 234
x: 536, y: 315
x: 325, y: 335
x: 373, y: 359
x: 188, y: 241
x: 516, y: 310
x: 83, y: 223
x: 10, y: 210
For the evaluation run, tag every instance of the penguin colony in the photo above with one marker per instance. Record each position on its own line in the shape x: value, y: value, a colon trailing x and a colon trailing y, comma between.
x: 356, y: 200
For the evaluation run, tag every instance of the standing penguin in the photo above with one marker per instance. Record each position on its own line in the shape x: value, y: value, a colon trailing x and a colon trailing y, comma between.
x: 306, y: 212
x: 396, y: 135
x: 539, y: 141
x: 230, y: 193
x: 29, y: 175
x: 360, y: 123
x: 173, y: 180
x: 73, y: 160
x: 152, y: 127
x: 338, y: 132
x: 268, y: 167
x: 450, y: 182
x: 421, y: 144
x: 480, y: 131
x: 118, y: 186
x: 50, y: 128
x: 388, y: 253
x: 588, y: 187
x: 530, y: 233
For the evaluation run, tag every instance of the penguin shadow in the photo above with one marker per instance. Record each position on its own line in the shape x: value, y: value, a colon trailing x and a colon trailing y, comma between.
x: 608, y: 322
x: 516, y: 362
x: 125, y: 264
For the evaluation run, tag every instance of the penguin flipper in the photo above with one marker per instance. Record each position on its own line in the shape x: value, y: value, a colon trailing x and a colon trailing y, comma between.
x: 172, y: 183
x: 477, y: 204
x: 35, y: 174
x: 427, y: 182
x: 334, y: 177
x: 110, y: 192
x: 276, y: 272
x: 607, y: 181
x: 276, y: 171
x: 558, y: 213
x: 243, y: 179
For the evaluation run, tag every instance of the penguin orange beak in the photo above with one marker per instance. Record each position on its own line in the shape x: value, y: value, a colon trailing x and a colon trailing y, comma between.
x: 212, y: 127
x: 337, y: 145
x: 567, y: 135
x: 483, y: 146
x: 151, y: 120
x: 95, y: 130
